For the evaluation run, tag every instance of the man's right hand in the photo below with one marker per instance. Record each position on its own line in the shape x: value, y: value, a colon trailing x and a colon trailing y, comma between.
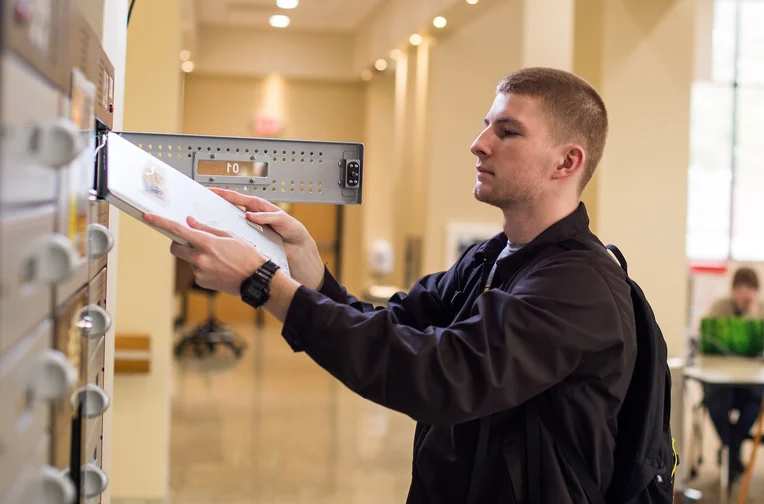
x: 305, y: 262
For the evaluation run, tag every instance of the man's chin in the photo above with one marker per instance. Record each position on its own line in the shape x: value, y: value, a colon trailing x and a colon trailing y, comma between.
x: 483, y: 195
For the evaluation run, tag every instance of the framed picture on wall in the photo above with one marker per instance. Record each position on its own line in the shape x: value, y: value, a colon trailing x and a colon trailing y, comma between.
x: 460, y: 235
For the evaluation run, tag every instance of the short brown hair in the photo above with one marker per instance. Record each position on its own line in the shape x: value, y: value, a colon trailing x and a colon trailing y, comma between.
x: 576, y: 111
x: 746, y: 277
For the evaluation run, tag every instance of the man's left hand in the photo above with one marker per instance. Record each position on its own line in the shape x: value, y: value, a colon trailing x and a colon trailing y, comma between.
x: 220, y: 260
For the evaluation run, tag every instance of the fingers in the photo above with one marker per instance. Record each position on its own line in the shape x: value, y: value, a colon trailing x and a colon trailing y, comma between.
x: 195, y: 224
x: 272, y: 218
x: 192, y: 236
x: 251, y: 203
x: 188, y: 254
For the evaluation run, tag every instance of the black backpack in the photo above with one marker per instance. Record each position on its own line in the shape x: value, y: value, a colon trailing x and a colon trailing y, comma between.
x: 645, y: 457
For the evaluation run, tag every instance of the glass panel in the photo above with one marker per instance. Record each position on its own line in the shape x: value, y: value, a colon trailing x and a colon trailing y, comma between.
x: 751, y: 40
x: 710, y: 174
x: 724, y: 40
x: 748, y: 209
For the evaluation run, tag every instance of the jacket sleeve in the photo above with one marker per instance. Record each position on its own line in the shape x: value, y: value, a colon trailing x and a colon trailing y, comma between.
x: 428, y: 303
x: 510, y: 348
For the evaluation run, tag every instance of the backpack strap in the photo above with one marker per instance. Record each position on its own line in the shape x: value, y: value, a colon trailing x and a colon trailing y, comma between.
x: 480, y: 456
x: 540, y: 411
x: 533, y: 430
x: 533, y: 453
x: 481, y: 450
x: 545, y: 414
x: 621, y: 259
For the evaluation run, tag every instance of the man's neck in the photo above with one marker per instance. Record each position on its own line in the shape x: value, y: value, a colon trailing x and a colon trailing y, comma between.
x: 523, y: 223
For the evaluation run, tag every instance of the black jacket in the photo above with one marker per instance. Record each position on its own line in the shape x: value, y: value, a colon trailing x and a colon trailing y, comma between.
x: 448, y: 353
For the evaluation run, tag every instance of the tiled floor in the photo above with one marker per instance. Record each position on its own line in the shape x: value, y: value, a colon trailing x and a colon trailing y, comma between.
x: 275, y: 428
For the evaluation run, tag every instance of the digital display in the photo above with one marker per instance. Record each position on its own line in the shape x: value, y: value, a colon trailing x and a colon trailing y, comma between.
x: 223, y: 168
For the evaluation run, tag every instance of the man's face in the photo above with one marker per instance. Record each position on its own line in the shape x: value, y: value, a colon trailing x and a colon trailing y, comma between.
x: 744, y: 297
x: 516, y: 153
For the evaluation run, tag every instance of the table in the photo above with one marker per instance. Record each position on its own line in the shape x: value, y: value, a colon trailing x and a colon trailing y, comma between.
x: 729, y: 371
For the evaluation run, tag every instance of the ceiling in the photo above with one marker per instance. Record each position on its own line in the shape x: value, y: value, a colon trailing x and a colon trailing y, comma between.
x: 310, y: 15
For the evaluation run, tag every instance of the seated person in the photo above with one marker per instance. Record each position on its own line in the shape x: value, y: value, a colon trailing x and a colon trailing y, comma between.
x: 744, y: 302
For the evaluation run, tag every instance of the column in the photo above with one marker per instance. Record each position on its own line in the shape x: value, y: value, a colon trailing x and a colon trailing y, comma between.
x: 645, y: 72
x: 146, y: 276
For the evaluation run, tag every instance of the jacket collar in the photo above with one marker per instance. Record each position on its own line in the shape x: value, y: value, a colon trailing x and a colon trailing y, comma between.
x: 572, y: 225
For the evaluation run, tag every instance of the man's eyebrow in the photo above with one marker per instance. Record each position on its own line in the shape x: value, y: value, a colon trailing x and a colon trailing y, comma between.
x: 511, y: 121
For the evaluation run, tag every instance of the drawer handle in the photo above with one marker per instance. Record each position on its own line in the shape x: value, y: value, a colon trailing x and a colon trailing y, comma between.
x: 94, y: 481
x: 53, y: 258
x: 52, y: 376
x: 95, y: 399
x: 94, y: 321
x: 54, y: 143
x: 51, y: 486
x: 101, y: 241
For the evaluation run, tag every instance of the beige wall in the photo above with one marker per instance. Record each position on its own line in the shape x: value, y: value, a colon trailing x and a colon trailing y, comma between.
x: 141, y: 415
x: 642, y: 189
x: 243, y: 52
x: 463, y: 82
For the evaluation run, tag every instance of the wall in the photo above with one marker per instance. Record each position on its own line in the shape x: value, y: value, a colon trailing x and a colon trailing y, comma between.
x: 587, y: 63
x: 313, y: 110
x: 466, y: 68
x: 242, y: 52
x: 642, y: 189
x: 141, y: 415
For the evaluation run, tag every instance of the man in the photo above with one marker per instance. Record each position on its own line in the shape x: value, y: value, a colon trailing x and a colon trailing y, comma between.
x: 473, y: 345
x: 744, y: 303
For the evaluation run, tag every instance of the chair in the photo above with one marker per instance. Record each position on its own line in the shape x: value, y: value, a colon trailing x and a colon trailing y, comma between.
x: 208, y: 335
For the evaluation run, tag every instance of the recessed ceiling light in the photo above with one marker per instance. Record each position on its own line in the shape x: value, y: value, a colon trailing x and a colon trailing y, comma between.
x: 472, y: 2
x: 280, y: 21
x: 439, y: 22
x: 366, y: 74
x: 185, y: 55
x: 187, y: 66
x: 287, y: 4
x: 415, y: 39
x: 381, y: 64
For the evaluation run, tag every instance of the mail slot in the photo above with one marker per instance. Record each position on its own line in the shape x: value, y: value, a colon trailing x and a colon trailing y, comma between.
x: 68, y: 429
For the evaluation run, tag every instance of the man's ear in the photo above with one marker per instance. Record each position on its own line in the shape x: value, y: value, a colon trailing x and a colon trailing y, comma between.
x: 571, y: 161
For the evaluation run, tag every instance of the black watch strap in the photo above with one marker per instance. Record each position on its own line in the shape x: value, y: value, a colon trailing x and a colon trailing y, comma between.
x: 255, y: 290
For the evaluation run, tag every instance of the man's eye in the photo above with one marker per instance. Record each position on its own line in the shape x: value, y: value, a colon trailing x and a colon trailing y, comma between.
x: 508, y: 133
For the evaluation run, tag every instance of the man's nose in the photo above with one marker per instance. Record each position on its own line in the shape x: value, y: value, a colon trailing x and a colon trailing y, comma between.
x: 480, y: 146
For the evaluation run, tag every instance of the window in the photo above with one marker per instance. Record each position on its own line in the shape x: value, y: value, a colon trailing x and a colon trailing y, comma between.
x: 725, y: 218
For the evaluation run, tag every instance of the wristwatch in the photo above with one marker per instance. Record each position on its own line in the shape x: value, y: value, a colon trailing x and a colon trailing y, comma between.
x: 255, y: 290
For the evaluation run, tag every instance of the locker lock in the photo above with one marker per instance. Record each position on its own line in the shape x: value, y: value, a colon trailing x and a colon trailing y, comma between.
x: 94, y: 480
x: 52, y: 375
x: 50, y: 486
x: 94, y: 321
x: 100, y: 240
x: 52, y: 259
x: 94, y: 398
